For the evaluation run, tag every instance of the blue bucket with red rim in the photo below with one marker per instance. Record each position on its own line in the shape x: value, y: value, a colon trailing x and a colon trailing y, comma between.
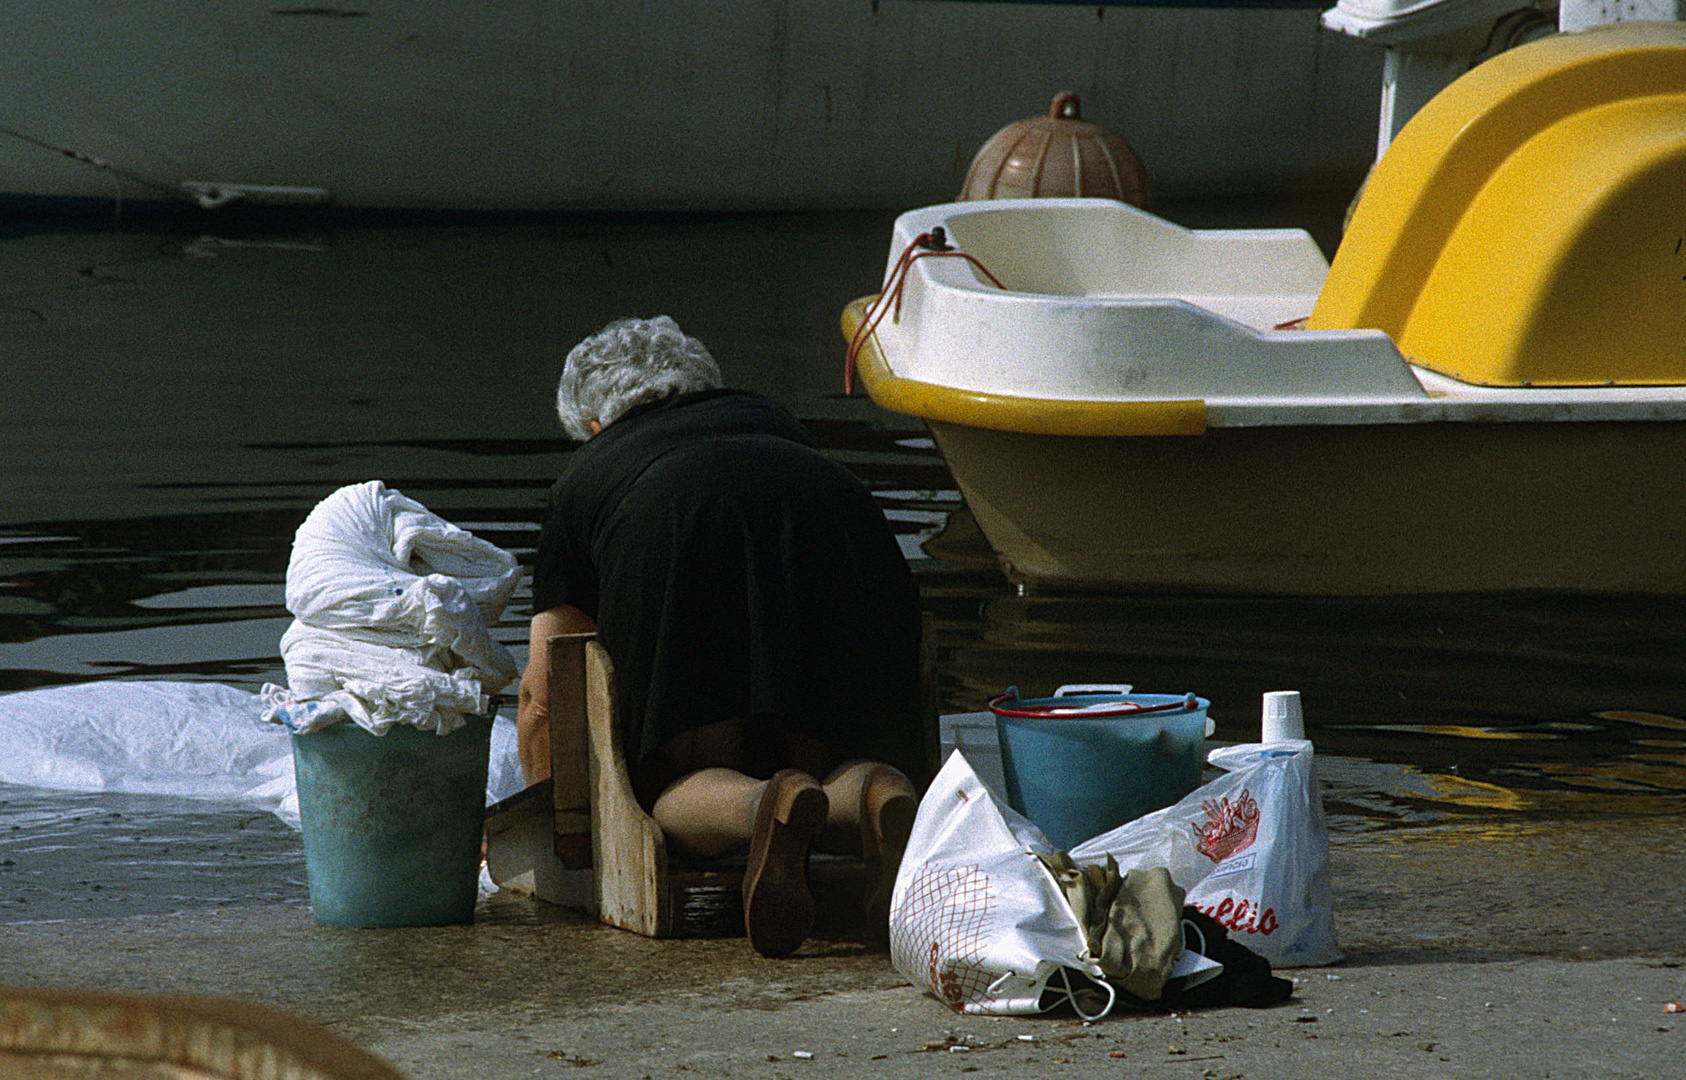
x: 1092, y: 758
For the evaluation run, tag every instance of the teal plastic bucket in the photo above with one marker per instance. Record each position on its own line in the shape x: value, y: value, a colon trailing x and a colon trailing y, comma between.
x: 1079, y: 765
x: 392, y: 823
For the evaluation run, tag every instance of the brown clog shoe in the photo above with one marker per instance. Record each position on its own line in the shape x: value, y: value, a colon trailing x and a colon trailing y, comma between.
x: 778, y: 909
x: 887, y: 811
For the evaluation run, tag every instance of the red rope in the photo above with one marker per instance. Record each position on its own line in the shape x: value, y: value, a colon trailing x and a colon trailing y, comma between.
x: 890, y: 297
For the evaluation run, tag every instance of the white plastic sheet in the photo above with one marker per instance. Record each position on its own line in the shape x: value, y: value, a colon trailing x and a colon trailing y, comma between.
x: 199, y: 740
x: 195, y: 740
x: 392, y: 606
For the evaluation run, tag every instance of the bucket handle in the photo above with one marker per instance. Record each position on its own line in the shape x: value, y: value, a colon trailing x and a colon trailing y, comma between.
x: 1094, y: 688
x: 1000, y: 707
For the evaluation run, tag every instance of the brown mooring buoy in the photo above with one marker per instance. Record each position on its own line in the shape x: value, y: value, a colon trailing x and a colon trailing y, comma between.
x: 1060, y: 154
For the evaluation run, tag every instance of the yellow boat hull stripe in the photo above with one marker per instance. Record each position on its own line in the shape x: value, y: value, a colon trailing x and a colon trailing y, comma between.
x: 1008, y: 412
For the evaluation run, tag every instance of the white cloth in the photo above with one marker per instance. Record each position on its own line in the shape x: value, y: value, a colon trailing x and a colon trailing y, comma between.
x: 197, y: 740
x: 392, y: 607
x: 200, y: 740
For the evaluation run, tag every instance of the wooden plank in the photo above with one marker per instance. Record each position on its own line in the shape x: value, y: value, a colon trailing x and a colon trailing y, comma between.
x: 570, y: 771
x: 629, y: 853
x: 521, y: 852
x: 930, y: 703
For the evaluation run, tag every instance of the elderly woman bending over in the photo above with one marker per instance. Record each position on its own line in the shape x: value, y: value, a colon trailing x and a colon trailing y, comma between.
x: 762, y: 621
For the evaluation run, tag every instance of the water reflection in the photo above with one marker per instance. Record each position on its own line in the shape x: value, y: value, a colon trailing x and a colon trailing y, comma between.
x: 1425, y: 709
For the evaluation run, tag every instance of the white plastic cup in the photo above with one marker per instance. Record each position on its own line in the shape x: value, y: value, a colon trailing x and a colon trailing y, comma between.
x: 1282, y: 717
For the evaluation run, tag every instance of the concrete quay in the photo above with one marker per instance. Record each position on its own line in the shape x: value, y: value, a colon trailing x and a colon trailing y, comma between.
x: 1523, y: 949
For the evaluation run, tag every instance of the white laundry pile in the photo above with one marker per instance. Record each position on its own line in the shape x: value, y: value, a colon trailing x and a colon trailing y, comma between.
x: 391, y: 606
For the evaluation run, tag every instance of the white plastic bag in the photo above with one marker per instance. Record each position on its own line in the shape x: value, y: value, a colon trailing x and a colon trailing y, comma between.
x: 392, y: 607
x: 976, y: 920
x: 1251, y: 848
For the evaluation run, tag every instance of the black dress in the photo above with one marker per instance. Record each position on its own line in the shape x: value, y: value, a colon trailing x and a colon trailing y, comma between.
x: 735, y: 571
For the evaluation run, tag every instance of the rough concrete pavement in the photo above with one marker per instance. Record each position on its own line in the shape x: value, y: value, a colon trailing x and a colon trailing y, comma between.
x: 1525, y: 950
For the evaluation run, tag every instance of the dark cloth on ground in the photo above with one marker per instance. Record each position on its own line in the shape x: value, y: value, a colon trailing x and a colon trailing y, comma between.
x: 735, y: 571
x: 1246, y: 979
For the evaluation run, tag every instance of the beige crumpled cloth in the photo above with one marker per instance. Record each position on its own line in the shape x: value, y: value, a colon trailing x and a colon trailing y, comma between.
x: 1132, y: 921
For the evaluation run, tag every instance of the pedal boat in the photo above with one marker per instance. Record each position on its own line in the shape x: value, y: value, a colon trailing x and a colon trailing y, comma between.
x: 1489, y: 391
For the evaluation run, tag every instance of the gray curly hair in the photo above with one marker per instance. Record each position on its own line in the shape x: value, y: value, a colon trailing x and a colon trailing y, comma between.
x: 626, y: 364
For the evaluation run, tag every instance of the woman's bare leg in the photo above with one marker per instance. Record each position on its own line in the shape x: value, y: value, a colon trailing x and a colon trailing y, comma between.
x: 859, y: 788
x: 709, y: 812
x: 863, y: 808
x: 875, y: 804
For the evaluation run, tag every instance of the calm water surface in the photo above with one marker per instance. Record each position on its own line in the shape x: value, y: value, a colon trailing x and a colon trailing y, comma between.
x: 181, y: 393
